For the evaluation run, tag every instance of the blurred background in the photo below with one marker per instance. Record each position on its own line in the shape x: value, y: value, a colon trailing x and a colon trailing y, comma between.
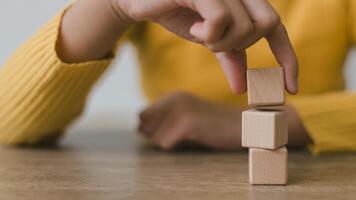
x: 119, y: 90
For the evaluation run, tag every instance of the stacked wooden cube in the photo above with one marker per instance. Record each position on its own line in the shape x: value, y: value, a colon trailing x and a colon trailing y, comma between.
x: 265, y: 127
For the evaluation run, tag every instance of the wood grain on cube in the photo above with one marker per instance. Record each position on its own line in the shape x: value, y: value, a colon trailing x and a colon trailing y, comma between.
x: 265, y: 86
x: 268, y: 167
x: 266, y: 129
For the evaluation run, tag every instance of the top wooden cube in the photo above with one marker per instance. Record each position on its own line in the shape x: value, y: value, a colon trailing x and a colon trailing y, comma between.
x: 265, y: 87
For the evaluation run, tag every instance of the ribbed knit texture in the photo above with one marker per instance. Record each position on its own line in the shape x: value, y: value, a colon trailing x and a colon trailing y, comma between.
x: 330, y: 119
x: 39, y: 94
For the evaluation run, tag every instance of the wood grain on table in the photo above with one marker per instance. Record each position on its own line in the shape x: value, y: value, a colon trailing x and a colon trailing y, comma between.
x: 119, y: 164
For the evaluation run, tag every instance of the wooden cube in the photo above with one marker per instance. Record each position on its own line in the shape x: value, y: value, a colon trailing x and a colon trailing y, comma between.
x: 268, y: 167
x: 266, y: 129
x: 265, y: 86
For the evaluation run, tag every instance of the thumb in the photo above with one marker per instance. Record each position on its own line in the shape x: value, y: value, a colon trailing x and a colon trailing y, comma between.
x: 234, y: 64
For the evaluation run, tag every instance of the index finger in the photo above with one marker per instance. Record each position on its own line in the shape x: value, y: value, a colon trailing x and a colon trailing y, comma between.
x: 283, y: 51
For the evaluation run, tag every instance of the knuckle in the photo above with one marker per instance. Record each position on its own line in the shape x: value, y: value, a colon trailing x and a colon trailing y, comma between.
x: 217, y: 22
x: 243, y: 32
x: 246, y: 29
x: 270, y: 22
x: 219, y: 17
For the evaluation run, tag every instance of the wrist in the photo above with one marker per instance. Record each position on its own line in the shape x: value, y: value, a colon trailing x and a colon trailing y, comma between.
x: 97, y: 29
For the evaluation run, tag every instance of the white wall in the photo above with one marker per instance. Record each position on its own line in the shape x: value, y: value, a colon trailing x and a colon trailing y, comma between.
x: 350, y: 71
x: 119, y: 90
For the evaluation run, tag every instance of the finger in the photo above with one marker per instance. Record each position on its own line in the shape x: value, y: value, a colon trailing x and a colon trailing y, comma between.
x: 239, y: 30
x: 151, y: 117
x: 267, y: 24
x: 283, y: 51
x: 264, y: 19
x: 149, y: 126
x: 168, y: 135
x: 234, y: 64
x: 215, y: 19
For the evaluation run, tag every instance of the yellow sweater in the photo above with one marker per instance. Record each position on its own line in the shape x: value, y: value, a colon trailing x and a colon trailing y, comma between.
x: 40, y: 95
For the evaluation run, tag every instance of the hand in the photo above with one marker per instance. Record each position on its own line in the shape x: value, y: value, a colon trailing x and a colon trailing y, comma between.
x: 227, y: 27
x: 180, y: 117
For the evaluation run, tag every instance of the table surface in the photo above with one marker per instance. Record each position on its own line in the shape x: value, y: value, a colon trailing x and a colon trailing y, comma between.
x: 113, y: 163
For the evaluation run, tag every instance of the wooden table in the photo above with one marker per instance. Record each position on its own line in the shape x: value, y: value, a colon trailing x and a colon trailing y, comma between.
x: 111, y: 163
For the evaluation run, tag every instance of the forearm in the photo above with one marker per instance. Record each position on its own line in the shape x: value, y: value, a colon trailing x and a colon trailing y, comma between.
x: 89, y: 31
x: 39, y: 94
